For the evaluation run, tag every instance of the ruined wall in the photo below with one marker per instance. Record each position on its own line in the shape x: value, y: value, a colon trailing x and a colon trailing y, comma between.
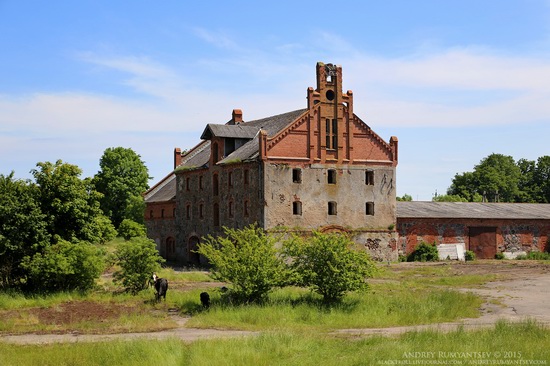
x: 204, y: 206
x: 512, y: 236
x: 351, y: 194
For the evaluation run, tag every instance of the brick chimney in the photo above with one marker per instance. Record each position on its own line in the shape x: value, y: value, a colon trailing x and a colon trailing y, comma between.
x: 237, y: 116
x: 177, y: 157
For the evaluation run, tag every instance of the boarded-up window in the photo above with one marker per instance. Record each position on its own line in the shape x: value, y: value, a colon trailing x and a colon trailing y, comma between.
x: 297, y: 208
x: 332, y: 208
x: 369, y: 208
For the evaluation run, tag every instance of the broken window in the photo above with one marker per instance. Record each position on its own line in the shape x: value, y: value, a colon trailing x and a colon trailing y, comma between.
x: 332, y: 208
x: 369, y: 209
x: 297, y: 175
x: 297, y: 208
x: 331, y: 176
x: 331, y: 134
x: 369, y: 177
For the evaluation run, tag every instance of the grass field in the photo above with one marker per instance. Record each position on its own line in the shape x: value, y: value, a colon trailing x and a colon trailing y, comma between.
x: 295, y: 327
x: 525, y: 342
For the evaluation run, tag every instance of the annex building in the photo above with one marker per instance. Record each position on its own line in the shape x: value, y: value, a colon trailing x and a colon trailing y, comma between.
x: 317, y: 168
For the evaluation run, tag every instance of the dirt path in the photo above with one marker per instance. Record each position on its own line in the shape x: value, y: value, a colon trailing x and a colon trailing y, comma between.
x: 522, y: 294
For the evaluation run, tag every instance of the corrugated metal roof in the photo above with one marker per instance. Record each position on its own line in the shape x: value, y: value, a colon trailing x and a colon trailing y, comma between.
x: 472, y: 210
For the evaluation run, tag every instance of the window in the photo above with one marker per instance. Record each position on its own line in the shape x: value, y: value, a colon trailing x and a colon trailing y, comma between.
x: 331, y: 177
x: 332, y: 134
x: 216, y: 214
x: 201, y: 211
x: 162, y: 213
x: 297, y: 208
x: 245, y: 176
x: 200, y: 182
x: 230, y: 179
x: 230, y: 208
x: 245, y: 209
x: 369, y: 178
x: 187, y: 183
x: 332, y: 208
x: 151, y: 214
x: 174, y: 212
x: 215, y: 188
x: 369, y: 208
x: 297, y: 175
x: 188, y: 212
x: 170, y: 247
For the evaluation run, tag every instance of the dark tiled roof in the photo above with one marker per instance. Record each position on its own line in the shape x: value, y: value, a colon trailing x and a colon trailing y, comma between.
x: 241, y: 131
x: 163, y: 191
x: 198, y: 156
x: 248, y: 151
x: 274, y: 124
x: 472, y: 210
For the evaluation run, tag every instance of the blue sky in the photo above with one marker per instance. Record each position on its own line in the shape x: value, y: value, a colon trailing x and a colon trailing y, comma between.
x: 454, y: 80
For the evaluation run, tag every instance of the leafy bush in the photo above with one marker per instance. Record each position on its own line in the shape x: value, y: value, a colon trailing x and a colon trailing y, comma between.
x: 535, y: 256
x: 130, y: 229
x: 424, y: 252
x: 137, y: 258
x: 246, y: 258
x: 64, y: 266
x: 469, y: 256
x: 499, y: 256
x: 328, y: 265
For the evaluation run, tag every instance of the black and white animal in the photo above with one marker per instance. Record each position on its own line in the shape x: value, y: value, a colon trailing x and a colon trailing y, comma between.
x: 205, y: 300
x: 161, y: 287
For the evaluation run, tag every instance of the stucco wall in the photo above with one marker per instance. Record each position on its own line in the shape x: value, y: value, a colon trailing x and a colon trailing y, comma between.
x: 350, y: 193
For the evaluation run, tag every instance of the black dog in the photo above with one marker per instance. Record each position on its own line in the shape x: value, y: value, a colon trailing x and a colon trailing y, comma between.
x: 161, y: 287
x: 205, y: 300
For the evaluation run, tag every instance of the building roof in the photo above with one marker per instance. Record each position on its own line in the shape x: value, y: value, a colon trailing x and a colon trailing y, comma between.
x: 472, y: 210
x: 241, y: 131
x: 163, y: 191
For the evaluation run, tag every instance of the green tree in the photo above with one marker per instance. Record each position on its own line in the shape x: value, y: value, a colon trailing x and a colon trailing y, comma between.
x: 449, y: 198
x: 247, y: 259
x: 69, y: 204
x: 541, y: 179
x: 64, y: 266
x: 496, y: 177
x: 136, y: 259
x: 406, y: 197
x: 329, y: 265
x: 23, y: 229
x: 527, y: 187
x: 122, y: 179
x: 130, y: 229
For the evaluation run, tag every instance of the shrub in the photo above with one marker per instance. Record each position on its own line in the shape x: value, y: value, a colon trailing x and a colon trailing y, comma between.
x: 65, y: 266
x: 130, y: 229
x: 137, y: 258
x: 535, y: 256
x: 469, y: 256
x: 248, y: 259
x: 499, y: 256
x: 328, y: 265
x: 424, y: 253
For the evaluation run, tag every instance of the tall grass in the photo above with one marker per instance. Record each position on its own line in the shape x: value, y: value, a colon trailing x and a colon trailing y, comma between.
x: 524, y: 341
x: 385, y: 305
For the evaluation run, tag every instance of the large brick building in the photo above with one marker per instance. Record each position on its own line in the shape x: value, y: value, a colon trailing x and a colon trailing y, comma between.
x: 317, y: 168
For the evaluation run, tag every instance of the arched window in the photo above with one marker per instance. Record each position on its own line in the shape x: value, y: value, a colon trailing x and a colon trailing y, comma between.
x: 170, y: 248
x: 216, y: 214
x: 215, y: 185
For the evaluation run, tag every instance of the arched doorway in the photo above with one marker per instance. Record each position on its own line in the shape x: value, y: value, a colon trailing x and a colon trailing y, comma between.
x: 193, y: 257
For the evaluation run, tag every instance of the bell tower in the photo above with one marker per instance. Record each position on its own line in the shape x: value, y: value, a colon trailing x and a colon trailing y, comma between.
x: 333, y: 111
